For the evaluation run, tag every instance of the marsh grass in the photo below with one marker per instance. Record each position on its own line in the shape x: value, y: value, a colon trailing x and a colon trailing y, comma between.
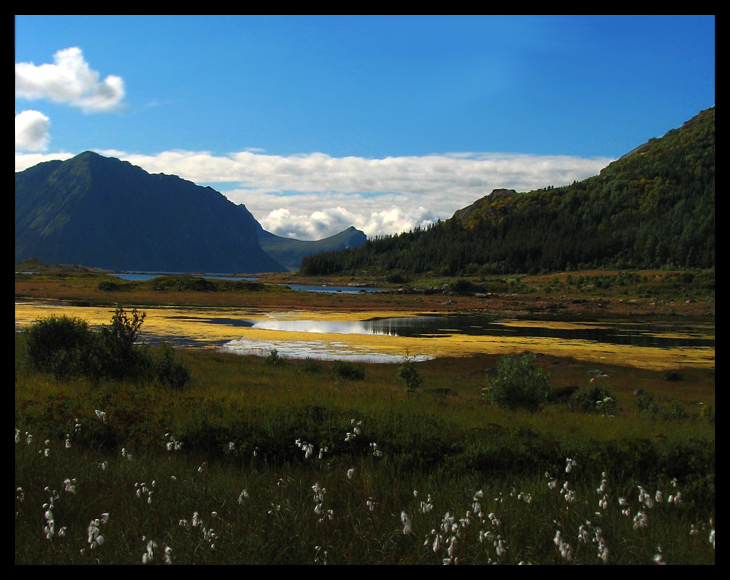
x: 292, y: 464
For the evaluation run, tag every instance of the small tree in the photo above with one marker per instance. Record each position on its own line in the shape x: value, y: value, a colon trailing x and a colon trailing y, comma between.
x: 518, y: 384
x: 408, y: 373
x: 120, y: 359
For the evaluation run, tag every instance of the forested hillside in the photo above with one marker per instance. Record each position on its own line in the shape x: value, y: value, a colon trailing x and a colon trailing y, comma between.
x: 652, y: 208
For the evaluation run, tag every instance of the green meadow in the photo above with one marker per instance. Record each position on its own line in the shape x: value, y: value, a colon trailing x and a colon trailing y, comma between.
x: 263, y: 460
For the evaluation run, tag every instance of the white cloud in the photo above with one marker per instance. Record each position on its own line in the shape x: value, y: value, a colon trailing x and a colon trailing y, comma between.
x: 312, y: 196
x: 31, y: 131
x: 69, y: 80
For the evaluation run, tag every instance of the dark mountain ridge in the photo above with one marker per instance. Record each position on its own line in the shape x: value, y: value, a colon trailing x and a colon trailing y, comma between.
x: 106, y: 213
x: 652, y: 208
x: 290, y: 252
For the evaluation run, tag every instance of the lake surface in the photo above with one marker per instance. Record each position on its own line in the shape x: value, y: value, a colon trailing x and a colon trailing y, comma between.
x: 634, y: 334
x: 144, y: 276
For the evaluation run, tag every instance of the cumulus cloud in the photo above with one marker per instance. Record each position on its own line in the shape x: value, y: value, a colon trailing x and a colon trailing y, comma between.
x: 31, y: 131
x: 69, y: 80
x: 312, y: 196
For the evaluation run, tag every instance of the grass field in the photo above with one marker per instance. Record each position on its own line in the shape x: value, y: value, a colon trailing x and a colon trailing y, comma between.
x: 267, y: 461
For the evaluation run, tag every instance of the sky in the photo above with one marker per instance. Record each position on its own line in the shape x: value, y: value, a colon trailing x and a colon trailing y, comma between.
x: 385, y: 123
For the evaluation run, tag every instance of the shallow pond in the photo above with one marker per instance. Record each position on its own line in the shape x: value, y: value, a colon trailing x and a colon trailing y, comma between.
x: 386, y: 337
x: 654, y: 335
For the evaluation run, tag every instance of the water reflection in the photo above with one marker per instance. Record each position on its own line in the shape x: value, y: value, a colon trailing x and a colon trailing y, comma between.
x: 632, y: 334
x: 302, y: 349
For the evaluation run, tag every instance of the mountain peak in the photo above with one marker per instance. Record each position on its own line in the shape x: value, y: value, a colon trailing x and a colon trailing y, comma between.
x: 106, y: 213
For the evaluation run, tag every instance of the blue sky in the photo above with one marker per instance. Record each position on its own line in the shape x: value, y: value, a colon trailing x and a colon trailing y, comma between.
x: 382, y: 122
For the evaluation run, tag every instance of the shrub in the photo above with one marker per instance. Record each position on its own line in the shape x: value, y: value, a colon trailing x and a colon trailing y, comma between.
x: 408, y: 373
x: 274, y: 360
x: 593, y: 399
x: 117, y: 356
x: 59, y: 345
x: 518, y: 384
x: 108, y: 286
x: 66, y: 347
x: 168, y: 371
x: 348, y: 371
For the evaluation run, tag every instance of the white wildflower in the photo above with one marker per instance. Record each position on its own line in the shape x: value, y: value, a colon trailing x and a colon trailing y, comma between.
x: 407, y: 529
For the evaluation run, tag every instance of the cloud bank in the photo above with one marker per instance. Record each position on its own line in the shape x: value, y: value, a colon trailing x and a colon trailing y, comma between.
x: 314, y: 195
x: 31, y: 131
x: 69, y: 80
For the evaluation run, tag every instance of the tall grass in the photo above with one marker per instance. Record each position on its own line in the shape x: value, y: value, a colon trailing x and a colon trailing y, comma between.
x: 295, y: 464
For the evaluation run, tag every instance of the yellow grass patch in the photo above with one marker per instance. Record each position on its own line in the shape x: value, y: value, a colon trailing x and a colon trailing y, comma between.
x: 190, y: 323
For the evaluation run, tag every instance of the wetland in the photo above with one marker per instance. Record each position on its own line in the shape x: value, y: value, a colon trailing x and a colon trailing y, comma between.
x: 249, y: 439
x: 650, y: 325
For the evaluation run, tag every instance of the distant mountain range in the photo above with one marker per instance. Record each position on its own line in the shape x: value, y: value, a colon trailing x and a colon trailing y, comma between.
x: 652, y: 208
x: 102, y: 212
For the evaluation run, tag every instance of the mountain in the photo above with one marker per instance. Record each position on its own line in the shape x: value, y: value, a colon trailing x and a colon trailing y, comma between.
x: 652, y: 208
x: 105, y: 213
x: 102, y: 212
x: 290, y: 252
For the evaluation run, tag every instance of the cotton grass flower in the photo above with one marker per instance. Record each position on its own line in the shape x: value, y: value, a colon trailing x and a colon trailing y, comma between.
x: 564, y: 548
x: 69, y: 485
x: 427, y: 506
x: 94, y: 537
x: 49, y: 530
x: 149, y: 553
x: 640, y: 520
x: 407, y: 528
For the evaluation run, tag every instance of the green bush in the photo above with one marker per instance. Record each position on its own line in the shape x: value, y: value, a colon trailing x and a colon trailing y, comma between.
x: 118, y: 358
x: 168, y: 371
x: 593, y: 399
x: 661, y: 409
x: 108, y: 286
x: 518, y: 384
x: 60, y: 345
x: 66, y: 347
x: 274, y: 359
x: 348, y: 371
